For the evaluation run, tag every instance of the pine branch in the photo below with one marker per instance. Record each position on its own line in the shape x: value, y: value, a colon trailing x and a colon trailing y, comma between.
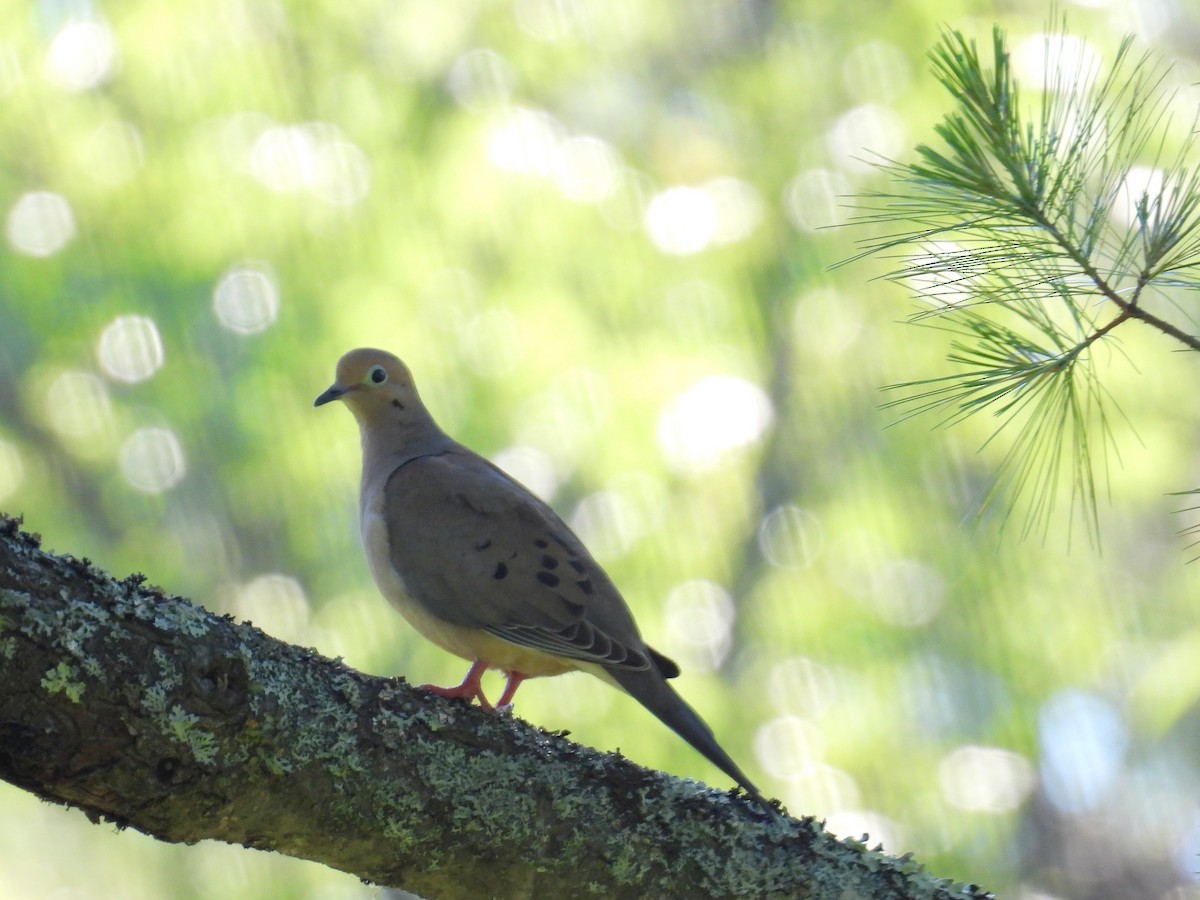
x: 1010, y: 234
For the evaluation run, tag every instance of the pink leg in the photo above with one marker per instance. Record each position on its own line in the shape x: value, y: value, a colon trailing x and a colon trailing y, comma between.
x: 470, y: 687
x: 510, y: 688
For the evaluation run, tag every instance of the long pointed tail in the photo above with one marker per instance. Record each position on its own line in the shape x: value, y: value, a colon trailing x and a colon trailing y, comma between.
x: 650, y: 689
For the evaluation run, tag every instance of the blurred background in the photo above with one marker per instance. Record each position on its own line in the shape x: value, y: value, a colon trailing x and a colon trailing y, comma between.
x: 600, y: 234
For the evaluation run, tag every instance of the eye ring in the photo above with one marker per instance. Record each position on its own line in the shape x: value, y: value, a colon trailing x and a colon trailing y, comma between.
x: 377, y: 375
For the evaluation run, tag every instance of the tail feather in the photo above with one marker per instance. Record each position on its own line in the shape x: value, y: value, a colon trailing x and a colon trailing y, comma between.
x: 666, y: 666
x: 650, y: 690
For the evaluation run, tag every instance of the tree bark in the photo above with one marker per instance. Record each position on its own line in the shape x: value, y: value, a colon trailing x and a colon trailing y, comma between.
x: 144, y: 710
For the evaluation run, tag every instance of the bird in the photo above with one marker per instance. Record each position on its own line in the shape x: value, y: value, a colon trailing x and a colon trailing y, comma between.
x: 480, y: 566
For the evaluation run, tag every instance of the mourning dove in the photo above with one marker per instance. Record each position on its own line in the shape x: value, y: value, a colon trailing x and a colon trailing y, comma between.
x: 483, y: 568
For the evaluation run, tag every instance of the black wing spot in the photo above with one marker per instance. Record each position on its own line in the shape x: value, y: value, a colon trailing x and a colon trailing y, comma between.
x: 585, y: 585
x: 548, y: 578
x: 549, y: 562
x: 576, y: 565
x: 500, y: 571
x: 541, y: 543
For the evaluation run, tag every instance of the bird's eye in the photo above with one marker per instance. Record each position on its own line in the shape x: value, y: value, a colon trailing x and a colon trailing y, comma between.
x: 377, y: 375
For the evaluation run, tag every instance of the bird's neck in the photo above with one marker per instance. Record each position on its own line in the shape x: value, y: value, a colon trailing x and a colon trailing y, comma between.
x: 391, y: 444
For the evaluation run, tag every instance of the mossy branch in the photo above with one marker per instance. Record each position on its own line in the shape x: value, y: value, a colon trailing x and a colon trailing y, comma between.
x: 144, y: 710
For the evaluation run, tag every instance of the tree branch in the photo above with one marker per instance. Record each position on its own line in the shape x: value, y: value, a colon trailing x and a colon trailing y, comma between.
x: 1129, y: 309
x: 144, y: 710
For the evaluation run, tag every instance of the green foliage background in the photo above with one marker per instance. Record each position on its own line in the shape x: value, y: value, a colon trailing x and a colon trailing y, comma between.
x: 891, y: 668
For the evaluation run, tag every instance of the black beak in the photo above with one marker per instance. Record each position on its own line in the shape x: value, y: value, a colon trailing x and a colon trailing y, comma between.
x: 334, y: 392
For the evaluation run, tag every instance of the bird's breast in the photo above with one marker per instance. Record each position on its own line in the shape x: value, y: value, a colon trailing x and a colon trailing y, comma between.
x: 377, y: 543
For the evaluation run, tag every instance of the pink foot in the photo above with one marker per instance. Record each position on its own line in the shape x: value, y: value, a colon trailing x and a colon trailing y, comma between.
x: 472, y: 689
x: 504, y: 704
x: 469, y: 690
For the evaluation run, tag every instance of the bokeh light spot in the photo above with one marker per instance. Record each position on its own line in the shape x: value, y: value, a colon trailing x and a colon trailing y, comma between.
x: 82, y: 55
x: 113, y: 152
x: 583, y: 168
x: 282, y: 158
x: 607, y: 523
x: 130, y: 349
x: 246, y: 299
x: 586, y: 169
x: 12, y: 471
x: 583, y: 699
x: 78, y: 405
x: 943, y: 274
x: 820, y: 790
x: 40, y: 223
x: 546, y: 20
x: 531, y: 467
x: 697, y: 310
x: 491, y: 342
x: 1062, y: 62
x: 985, y: 779
x: 802, y: 687
x: 1082, y: 740
x: 738, y: 207
x: 313, y: 157
x: 480, y: 79
x: 827, y: 323
x: 876, y: 70
x: 421, y: 38
x: 341, y: 173
x: 151, y: 460
x: 864, y: 136
x: 788, y: 746
x: 701, y: 426
x: 525, y: 141
x: 682, y: 220
x: 790, y: 537
x: 276, y: 603
x: 565, y: 416
x: 230, y: 140
x: 1140, y: 182
x: 814, y: 199
x: 906, y: 593
x: 699, y: 618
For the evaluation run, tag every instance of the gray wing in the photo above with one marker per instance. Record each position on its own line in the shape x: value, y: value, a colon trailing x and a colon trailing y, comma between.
x: 477, y: 549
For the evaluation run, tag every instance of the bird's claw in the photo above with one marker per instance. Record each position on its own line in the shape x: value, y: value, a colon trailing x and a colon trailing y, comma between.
x: 459, y: 692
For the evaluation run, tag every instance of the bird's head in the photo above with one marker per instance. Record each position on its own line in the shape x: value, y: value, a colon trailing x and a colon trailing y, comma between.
x: 376, y: 386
